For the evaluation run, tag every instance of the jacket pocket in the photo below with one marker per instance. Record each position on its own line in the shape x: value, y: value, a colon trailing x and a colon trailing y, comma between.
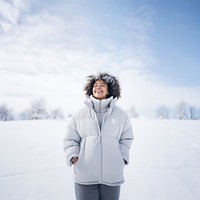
x: 87, y: 168
x: 113, y: 163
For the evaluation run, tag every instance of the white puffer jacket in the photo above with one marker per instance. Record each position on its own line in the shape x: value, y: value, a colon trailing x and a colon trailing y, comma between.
x: 102, y: 151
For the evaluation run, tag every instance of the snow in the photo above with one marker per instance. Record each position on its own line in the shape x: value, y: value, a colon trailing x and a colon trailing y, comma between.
x: 164, y: 161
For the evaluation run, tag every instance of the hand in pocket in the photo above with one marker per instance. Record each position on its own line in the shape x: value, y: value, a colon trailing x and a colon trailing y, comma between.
x: 74, y: 160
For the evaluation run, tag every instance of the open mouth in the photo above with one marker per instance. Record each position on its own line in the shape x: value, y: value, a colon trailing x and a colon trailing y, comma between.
x: 98, y: 92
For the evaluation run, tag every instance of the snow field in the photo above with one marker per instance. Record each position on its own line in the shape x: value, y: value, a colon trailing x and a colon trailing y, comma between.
x: 164, y: 162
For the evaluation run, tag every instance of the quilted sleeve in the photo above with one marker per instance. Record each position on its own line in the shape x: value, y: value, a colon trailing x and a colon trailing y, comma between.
x: 126, y: 139
x: 71, y: 142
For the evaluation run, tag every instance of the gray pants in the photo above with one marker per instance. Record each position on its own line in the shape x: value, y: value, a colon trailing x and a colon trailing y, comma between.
x: 96, y: 192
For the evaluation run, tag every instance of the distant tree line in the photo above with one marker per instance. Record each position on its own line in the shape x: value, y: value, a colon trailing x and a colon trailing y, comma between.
x: 36, y: 111
x: 182, y: 111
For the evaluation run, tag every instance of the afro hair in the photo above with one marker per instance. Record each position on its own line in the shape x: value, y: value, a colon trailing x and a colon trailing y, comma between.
x: 114, y: 88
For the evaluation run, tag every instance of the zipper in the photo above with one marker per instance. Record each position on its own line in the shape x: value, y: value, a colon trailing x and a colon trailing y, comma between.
x: 100, y: 135
x: 100, y: 131
x: 100, y: 139
x: 102, y: 144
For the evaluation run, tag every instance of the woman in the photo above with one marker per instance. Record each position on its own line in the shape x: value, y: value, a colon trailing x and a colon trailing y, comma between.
x: 98, y: 141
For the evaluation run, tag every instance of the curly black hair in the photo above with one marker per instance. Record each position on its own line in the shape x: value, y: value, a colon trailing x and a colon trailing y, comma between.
x: 114, y: 88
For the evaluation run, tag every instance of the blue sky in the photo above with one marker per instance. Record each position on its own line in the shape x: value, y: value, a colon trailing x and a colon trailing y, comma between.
x: 47, y: 48
x: 175, y: 38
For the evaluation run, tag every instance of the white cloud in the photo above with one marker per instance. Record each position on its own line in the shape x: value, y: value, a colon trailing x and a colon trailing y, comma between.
x: 11, y: 12
x: 140, y: 24
x: 146, y: 92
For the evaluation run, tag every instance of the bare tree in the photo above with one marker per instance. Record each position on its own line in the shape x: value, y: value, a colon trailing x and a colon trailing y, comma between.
x: 57, y: 114
x: 69, y: 115
x: 194, y: 112
x: 163, y: 112
x: 198, y: 113
x: 6, y: 113
x: 181, y: 110
x: 37, y: 110
x: 132, y: 112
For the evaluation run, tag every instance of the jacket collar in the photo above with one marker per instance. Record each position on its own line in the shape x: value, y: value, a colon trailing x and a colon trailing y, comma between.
x: 101, y: 105
x: 106, y: 104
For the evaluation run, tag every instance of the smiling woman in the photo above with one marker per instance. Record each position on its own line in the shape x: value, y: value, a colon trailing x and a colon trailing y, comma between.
x: 98, y: 141
x: 100, y: 90
x: 103, y: 79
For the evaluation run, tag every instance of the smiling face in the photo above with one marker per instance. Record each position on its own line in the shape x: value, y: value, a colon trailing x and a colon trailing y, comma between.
x: 100, y: 90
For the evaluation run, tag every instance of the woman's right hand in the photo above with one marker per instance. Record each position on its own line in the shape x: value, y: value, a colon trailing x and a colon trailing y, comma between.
x: 74, y: 160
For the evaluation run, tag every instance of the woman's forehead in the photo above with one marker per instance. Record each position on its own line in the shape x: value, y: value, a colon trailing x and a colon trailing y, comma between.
x: 100, y: 81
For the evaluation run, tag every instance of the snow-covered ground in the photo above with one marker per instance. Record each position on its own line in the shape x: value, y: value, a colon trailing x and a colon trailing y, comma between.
x: 164, y: 165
